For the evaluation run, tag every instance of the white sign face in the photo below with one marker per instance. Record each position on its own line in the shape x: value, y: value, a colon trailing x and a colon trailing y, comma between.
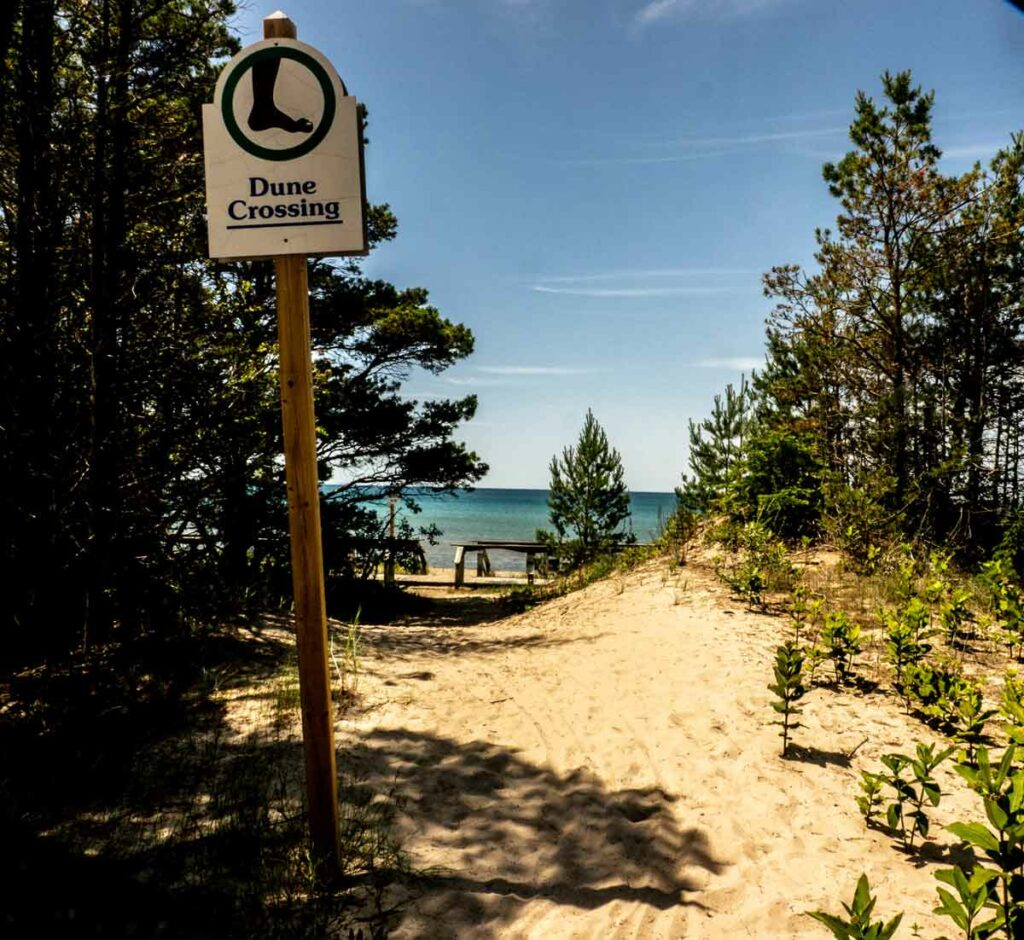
x: 283, y: 156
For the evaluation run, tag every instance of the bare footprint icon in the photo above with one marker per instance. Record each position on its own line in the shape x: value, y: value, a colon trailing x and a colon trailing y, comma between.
x: 265, y: 114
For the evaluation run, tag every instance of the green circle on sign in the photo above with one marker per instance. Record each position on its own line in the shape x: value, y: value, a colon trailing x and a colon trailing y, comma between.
x: 227, y: 104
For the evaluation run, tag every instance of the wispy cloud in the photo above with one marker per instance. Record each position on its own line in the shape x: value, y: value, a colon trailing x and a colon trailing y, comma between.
x: 671, y: 158
x: 747, y: 139
x: 652, y: 273
x: 979, y: 151
x: 476, y: 381
x: 498, y: 376
x: 531, y: 370
x: 704, y: 147
x: 630, y: 291
x: 657, y: 10
x: 738, y: 363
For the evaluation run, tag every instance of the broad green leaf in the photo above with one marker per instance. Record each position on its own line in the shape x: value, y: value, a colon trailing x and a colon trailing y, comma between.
x: 839, y: 929
x: 976, y: 834
x: 995, y: 814
x: 1004, y: 764
x: 890, y: 928
x: 951, y: 907
x: 862, y: 900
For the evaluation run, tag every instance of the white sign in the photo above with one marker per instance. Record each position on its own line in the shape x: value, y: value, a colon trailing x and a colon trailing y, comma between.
x: 283, y: 154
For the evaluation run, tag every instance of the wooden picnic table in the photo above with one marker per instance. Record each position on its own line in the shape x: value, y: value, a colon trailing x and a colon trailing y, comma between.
x: 531, y: 549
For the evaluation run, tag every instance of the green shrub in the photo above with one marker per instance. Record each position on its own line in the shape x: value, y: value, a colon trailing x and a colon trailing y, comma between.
x: 1012, y: 707
x: 841, y: 641
x: 789, y: 687
x: 855, y: 520
x: 1002, y: 841
x: 949, y: 701
x: 938, y: 691
x: 764, y: 565
x: 1007, y: 603
x: 954, y: 614
x: 905, y: 815
x: 906, y: 635
x: 678, y: 531
x: 973, y: 895
x: 780, y: 482
x: 870, y: 800
x: 858, y: 925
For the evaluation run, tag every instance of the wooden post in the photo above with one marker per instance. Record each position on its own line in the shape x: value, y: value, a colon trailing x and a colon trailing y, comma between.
x: 460, y: 566
x: 389, y: 555
x: 306, y: 548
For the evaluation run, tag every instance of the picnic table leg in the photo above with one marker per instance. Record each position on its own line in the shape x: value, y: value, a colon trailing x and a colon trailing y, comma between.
x: 483, y: 564
x: 460, y: 566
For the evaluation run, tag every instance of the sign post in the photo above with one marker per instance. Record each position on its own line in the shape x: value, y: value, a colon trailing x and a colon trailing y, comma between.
x: 284, y: 180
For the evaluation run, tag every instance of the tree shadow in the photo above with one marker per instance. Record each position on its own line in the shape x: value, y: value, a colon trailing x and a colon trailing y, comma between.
x: 52, y: 890
x: 463, y: 611
x: 818, y: 756
x: 955, y: 854
x: 508, y: 830
x: 206, y: 836
x: 926, y: 853
x: 128, y: 807
x: 186, y: 828
x: 400, y: 642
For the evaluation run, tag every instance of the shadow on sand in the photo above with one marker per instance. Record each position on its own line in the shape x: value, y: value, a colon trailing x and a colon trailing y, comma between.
x: 510, y: 830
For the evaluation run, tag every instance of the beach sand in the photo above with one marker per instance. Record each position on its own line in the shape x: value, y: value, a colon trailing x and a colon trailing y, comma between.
x: 604, y: 766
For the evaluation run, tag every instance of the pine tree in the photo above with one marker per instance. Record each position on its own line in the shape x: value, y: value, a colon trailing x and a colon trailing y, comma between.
x: 716, y: 445
x: 896, y: 361
x: 588, y: 500
x: 140, y: 436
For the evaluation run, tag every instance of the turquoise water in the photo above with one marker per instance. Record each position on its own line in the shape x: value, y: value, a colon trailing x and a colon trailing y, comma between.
x: 513, y: 514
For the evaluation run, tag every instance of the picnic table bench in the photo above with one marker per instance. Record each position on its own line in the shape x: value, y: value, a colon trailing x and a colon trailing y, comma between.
x: 538, y: 557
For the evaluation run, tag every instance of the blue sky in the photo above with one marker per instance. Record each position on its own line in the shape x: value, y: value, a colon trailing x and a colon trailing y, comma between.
x: 596, y: 186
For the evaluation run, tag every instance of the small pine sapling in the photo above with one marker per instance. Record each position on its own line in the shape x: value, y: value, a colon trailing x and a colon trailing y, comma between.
x: 858, y: 926
x: 789, y: 687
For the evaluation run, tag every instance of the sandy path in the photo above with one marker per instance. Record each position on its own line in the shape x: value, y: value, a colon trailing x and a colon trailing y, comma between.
x: 603, y: 767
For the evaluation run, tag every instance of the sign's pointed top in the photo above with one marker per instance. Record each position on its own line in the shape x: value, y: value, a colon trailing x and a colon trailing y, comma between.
x: 278, y: 26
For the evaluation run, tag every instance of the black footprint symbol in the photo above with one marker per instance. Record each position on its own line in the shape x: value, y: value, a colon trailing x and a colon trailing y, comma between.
x: 265, y: 114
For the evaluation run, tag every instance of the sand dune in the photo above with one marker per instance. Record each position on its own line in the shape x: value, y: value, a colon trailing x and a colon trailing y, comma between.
x: 604, y: 767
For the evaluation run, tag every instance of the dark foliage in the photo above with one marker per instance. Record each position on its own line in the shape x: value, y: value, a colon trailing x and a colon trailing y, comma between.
x: 141, y: 485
